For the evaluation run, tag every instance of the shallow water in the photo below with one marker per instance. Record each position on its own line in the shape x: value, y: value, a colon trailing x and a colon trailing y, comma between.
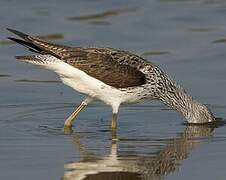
x: 186, y: 38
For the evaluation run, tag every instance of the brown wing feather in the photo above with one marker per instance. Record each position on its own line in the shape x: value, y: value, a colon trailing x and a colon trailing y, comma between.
x: 37, y: 44
x: 54, y: 49
x: 103, y: 66
x: 114, y: 67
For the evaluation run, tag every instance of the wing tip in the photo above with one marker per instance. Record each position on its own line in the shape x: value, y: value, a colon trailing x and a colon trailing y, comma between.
x: 24, y: 58
x: 20, y: 57
x: 12, y: 39
x: 18, y: 33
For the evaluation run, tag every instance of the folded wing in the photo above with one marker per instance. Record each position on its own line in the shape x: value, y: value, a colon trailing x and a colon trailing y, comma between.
x: 120, y: 72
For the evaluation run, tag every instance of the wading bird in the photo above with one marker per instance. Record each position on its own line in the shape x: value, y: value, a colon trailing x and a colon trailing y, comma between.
x: 112, y: 76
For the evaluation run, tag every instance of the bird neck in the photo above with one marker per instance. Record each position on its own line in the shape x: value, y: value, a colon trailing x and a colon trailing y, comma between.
x: 175, y: 97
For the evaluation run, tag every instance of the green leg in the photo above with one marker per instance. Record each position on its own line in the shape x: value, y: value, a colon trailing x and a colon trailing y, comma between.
x: 114, y: 128
x: 68, y: 122
x: 114, y: 121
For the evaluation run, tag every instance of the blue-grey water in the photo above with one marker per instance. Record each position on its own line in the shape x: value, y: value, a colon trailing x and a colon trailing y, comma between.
x: 185, y: 38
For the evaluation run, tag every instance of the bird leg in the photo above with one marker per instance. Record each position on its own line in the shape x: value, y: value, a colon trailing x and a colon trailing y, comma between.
x: 68, y: 122
x: 114, y: 121
x: 114, y: 127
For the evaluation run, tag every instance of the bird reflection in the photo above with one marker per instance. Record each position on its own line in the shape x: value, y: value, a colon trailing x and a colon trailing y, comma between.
x: 139, y: 167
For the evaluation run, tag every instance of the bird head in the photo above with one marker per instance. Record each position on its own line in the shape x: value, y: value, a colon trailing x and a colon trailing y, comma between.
x: 199, y: 113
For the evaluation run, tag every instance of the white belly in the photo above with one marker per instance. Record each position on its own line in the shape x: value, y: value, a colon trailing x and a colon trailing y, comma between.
x: 102, y: 92
x: 83, y: 83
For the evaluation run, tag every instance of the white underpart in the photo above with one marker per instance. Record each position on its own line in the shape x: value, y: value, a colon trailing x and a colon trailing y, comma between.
x: 83, y: 83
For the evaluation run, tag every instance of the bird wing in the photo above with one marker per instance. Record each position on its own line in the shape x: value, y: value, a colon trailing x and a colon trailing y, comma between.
x: 113, y: 67
x: 104, y: 67
x: 38, y: 45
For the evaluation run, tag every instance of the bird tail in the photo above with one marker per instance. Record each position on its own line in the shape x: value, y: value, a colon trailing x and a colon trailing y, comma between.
x: 43, y: 60
x: 25, y: 42
x: 38, y: 45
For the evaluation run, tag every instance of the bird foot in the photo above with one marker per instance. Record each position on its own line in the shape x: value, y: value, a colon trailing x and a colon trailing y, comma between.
x: 68, y: 129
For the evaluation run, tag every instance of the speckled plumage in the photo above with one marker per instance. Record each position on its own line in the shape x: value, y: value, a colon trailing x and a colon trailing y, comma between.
x: 127, y: 77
